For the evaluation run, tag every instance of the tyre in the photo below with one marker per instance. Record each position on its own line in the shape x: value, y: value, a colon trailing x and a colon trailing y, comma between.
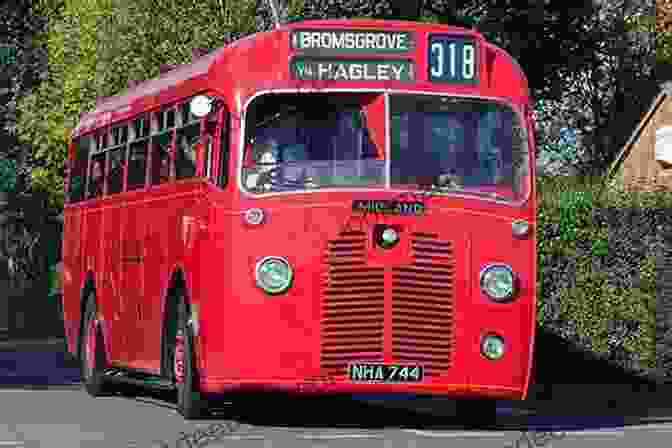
x: 92, y: 351
x: 189, y: 401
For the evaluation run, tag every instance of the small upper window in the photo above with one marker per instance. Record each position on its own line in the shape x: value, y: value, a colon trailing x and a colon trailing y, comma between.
x: 119, y: 135
x: 185, y: 114
x: 141, y: 127
x: 165, y: 119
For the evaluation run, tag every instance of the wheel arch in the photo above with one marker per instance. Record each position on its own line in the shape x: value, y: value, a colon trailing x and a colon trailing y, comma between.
x: 177, y: 283
x: 89, y: 285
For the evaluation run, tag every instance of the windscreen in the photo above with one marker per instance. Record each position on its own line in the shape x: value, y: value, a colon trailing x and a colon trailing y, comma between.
x: 445, y: 144
x: 309, y: 141
x: 458, y: 145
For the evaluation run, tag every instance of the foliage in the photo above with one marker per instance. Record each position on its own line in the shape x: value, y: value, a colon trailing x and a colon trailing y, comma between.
x: 7, y: 175
x: 663, y: 30
x: 96, y: 46
x: 603, y: 100
x: 598, y: 265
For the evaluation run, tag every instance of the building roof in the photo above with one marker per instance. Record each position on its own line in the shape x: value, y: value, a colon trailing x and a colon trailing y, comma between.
x: 665, y: 91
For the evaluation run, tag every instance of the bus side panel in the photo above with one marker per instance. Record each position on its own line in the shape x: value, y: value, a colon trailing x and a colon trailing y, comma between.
x: 113, y: 269
x: 171, y: 222
x: 217, y: 315
x: 159, y: 263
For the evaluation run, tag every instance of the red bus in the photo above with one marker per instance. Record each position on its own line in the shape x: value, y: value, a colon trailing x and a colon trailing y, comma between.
x: 339, y: 206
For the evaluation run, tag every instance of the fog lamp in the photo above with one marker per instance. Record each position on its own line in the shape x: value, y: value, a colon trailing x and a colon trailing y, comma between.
x: 492, y: 347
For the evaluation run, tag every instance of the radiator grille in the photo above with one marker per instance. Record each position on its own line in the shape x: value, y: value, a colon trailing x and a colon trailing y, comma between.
x: 353, y: 305
x: 422, y: 305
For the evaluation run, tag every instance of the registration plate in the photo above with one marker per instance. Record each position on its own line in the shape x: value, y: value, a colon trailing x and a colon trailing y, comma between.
x: 385, y: 373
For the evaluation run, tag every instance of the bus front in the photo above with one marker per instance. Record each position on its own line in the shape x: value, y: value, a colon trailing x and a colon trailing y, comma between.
x: 382, y: 238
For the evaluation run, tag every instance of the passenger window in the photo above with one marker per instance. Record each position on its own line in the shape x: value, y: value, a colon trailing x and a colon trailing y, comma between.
x: 185, y: 151
x: 78, y: 168
x: 170, y: 118
x: 161, y: 158
x: 185, y: 115
x: 224, y: 151
x: 97, y: 180
x: 141, y: 127
x: 137, y: 165
x: 116, y: 177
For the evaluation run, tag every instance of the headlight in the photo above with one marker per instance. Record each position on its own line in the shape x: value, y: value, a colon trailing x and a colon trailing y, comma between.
x: 273, y: 275
x: 498, y: 282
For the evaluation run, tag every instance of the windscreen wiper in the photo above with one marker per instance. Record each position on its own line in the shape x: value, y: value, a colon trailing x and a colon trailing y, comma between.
x: 451, y: 184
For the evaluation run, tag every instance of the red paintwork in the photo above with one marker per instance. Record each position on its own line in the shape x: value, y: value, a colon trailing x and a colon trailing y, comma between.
x: 246, y: 338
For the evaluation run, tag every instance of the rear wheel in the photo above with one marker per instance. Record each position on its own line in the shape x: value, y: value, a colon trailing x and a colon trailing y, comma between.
x: 92, y: 353
x: 189, y: 401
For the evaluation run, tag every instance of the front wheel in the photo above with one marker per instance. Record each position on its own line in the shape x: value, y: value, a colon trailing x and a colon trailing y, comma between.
x: 92, y: 353
x: 189, y: 401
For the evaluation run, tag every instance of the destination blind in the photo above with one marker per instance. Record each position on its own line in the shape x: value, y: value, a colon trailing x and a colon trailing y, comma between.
x: 307, y: 69
x: 353, y: 41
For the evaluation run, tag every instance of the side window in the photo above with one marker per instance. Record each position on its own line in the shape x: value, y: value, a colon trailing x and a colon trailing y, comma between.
x: 161, y: 158
x: 185, y: 151
x: 137, y: 164
x: 224, y: 150
x: 78, y: 169
x: 142, y: 127
x: 137, y: 153
x: 97, y: 180
x: 116, y: 177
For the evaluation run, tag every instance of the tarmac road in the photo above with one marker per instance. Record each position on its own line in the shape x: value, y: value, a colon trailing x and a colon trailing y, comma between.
x: 42, y: 405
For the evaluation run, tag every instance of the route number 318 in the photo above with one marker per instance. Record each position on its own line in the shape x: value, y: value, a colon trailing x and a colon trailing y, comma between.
x: 452, y: 60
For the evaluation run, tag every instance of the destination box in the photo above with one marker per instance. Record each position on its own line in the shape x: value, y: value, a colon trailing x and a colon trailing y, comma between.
x: 308, y: 69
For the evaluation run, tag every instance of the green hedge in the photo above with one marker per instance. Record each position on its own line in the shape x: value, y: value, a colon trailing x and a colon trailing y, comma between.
x: 599, y: 255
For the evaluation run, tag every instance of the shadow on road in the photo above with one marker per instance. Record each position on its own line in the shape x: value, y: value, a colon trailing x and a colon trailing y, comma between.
x: 37, y: 365
x: 571, y: 390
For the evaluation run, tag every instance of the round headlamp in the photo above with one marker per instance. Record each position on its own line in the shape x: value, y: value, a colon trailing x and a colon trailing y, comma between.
x: 273, y: 275
x: 498, y: 282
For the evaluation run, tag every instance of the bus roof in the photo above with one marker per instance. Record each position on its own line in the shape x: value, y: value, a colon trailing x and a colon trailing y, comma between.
x: 244, y: 55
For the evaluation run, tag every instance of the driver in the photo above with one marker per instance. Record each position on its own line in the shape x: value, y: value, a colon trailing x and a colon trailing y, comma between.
x: 261, y: 175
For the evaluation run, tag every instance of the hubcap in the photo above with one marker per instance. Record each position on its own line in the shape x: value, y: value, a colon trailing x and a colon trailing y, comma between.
x: 178, y: 366
x: 91, y: 347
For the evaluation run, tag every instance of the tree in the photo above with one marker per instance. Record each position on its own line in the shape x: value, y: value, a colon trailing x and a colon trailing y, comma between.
x: 579, y: 58
x: 663, y: 29
x: 605, y: 98
x: 96, y: 47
